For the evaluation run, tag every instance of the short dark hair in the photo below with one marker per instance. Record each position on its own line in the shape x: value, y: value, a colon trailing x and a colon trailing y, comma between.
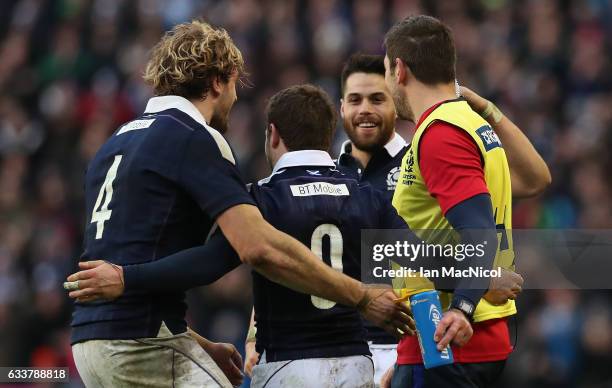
x: 304, y: 116
x: 362, y: 63
x: 426, y: 46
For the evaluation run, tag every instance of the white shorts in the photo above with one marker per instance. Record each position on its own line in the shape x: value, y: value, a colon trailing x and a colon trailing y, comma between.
x: 345, y: 372
x: 384, y: 356
x: 165, y: 361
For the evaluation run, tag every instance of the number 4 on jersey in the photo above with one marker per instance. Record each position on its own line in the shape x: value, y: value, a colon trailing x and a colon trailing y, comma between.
x: 103, y: 214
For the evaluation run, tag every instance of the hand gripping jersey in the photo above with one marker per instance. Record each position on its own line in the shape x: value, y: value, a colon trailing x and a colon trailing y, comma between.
x: 422, y: 212
x: 325, y: 210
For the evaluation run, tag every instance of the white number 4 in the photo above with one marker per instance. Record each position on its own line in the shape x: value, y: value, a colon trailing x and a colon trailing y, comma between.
x: 101, y: 215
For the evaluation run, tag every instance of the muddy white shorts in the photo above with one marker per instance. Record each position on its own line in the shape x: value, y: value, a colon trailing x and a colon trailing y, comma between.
x: 164, y: 361
x: 341, y: 372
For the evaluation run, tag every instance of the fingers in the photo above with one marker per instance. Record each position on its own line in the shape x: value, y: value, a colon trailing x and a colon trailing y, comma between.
x: 90, y: 264
x: 508, y: 286
x: 87, y: 270
x: 449, y: 335
x: 464, y: 90
x: 248, y: 367
x: 230, y: 362
x: 86, y: 289
x: 444, y: 323
x: 234, y: 375
x: 251, y: 358
x: 386, y: 312
x: 404, y: 309
x: 83, y: 293
x: 463, y: 335
x: 237, y: 359
x: 411, y: 323
x: 81, y: 275
x: 403, y: 329
x: 469, y: 95
x: 404, y: 323
x: 87, y: 283
x: 518, y: 287
x: 453, y: 327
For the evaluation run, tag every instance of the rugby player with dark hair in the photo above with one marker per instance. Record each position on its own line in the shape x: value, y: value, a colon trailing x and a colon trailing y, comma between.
x: 456, y: 176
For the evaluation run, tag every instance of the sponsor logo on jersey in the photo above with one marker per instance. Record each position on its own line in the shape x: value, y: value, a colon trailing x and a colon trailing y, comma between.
x: 319, y: 188
x: 136, y: 124
x: 489, y: 137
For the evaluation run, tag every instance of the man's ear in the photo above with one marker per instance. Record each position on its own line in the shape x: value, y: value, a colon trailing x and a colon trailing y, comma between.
x: 217, y: 86
x: 402, y: 72
x: 342, y: 108
x: 274, y: 136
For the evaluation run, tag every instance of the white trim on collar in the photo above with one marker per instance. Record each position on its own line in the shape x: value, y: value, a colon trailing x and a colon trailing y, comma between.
x: 393, y: 146
x: 299, y: 158
x: 304, y: 158
x: 161, y: 103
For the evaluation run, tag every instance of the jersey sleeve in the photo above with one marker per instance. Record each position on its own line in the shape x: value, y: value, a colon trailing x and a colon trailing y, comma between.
x: 451, y: 165
x: 193, y: 267
x: 211, y: 179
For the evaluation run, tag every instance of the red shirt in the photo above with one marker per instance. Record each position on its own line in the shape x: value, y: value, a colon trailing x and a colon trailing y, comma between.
x: 451, y: 166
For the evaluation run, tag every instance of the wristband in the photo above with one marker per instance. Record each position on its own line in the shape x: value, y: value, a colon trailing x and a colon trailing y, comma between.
x: 492, y: 110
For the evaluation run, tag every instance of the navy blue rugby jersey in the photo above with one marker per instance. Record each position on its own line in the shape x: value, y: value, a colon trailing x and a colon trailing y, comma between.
x: 382, y: 172
x: 154, y: 188
x: 309, y: 199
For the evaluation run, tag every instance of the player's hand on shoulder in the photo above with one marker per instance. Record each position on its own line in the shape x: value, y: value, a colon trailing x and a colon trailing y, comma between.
x: 381, y: 307
x: 454, y: 328
x: 228, y: 359
x: 97, y: 279
x: 508, y: 286
x: 476, y: 102
x: 251, y: 357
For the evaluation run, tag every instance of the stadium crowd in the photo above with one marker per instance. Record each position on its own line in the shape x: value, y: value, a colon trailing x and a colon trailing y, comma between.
x: 70, y: 73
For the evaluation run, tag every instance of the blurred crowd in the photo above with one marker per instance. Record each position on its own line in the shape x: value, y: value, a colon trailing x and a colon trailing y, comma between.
x: 70, y: 73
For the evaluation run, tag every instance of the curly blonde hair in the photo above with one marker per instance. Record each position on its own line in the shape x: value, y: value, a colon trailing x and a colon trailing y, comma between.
x: 189, y: 57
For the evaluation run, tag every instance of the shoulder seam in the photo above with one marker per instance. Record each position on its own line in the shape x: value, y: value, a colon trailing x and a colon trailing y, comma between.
x: 222, y: 144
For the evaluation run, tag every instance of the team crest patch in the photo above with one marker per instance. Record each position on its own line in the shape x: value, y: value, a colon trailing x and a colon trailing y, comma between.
x: 392, y: 178
x: 488, y: 137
